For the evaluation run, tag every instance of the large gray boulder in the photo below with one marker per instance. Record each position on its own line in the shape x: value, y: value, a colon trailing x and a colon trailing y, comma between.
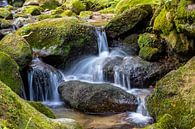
x: 97, y: 98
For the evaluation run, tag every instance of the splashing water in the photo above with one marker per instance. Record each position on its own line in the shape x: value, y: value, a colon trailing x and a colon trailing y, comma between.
x: 43, y: 82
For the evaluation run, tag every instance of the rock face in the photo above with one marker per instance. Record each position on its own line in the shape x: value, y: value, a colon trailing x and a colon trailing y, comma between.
x: 9, y: 73
x: 61, y: 38
x: 17, y: 113
x: 140, y: 72
x: 172, y: 102
x: 127, y: 20
x: 97, y: 98
x: 18, y: 48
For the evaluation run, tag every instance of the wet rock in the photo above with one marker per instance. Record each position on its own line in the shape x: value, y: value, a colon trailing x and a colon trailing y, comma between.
x: 138, y: 72
x: 97, y: 98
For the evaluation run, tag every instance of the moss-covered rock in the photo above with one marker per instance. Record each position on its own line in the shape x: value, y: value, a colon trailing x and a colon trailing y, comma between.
x: 33, y: 10
x: 18, y: 114
x: 185, y: 16
x: 62, y: 37
x: 5, y: 13
x: 76, y: 6
x: 5, y: 24
x: 179, y: 43
x: 127, y: 20
x: 46, y: 4
x: 42, y: 108
x: 126, y: 4
x: 164, y: 21
x: 18, y: 48
x: 149, y: 53
x: 86, y: 14
x: 47, y: 16
x: 9, y: 73
x: 67, y: 13
x: 172, y: 102
x: 150, y: 46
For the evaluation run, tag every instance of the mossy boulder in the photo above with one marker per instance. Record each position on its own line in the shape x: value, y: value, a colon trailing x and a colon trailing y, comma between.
x: 172, y: 102
x: 179, y: 43
x: 127, y: 20
x: 5, y: 13
x: 46, y: 4
x: 185, y: 16
x: 18, y: 48
x: 86, y: 14
x: 33, y: 10
x: 9, y: 73
x: 150, y: 46
x: 62, y: 38
x: 76, y: 6
x: 67, y: 13
x: 164, y: 21
x: 149, y: 53
x: 4, y: 24
x: 18, y: 114
x: 126, y: 4
x: 47, y: 16
x: 42, y: 108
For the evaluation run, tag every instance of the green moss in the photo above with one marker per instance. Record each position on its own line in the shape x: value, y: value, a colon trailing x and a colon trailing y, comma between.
x: 57, y: 11
x: 86, y: 14
x: 127, y: 20
x: 18, y: 114
x: 33, y: 10
x: 18, y: 48
x: 47, y: 16
x: 149, y: 53
x: 179, y: 43
x: 5, y: 13
x: 54, y: 35
x: 126, y: 4
x: 5, y: 24
x: 50, y: 4
x: 42, y: 108
x: 77, y: 6
x: 107, y: 10
x: 174, y: 95
x: 163, y: 22
x: 148, y: 40
x: 9, y: 73
x: 67, y: 13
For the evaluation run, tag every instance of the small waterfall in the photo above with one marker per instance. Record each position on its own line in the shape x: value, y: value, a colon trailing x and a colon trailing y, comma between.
x: 3, y: 3
x: 43, y: 82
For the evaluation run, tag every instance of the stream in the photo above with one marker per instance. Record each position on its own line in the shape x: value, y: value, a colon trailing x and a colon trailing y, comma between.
x: 43, y: 82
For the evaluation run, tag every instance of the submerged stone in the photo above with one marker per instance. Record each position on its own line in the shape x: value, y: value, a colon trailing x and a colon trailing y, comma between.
x: 97, y: 98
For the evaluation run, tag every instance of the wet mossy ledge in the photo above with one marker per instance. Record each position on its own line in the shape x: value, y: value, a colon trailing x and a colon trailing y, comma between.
x: 18, y: 114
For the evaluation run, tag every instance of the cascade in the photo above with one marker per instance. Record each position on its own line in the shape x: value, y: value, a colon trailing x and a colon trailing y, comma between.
x: 44, y: 79
x: 43, y: 82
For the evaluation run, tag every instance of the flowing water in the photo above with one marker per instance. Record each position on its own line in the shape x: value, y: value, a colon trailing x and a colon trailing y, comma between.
x: 88, y: 69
